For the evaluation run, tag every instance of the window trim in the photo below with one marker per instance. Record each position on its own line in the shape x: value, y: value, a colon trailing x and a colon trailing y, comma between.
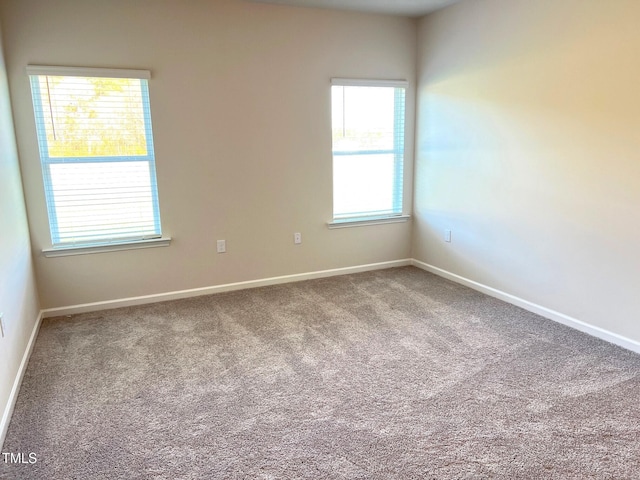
x: 354, y: 82
x: 373, y: 219
x: 366, y: 221
x: 59, y: 248
x: 87, y: 72
x: 108, y: 247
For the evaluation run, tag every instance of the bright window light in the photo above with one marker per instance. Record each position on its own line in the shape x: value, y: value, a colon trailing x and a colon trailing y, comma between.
x: 96, y: 150
x: 368, y: 149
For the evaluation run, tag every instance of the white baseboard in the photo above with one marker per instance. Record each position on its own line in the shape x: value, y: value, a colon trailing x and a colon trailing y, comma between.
x: 195, y: 292
x: 556, y: 316
x: 598, y: 332
x: 13, y: 396
x: 592, y: 330
x: 89, y: 307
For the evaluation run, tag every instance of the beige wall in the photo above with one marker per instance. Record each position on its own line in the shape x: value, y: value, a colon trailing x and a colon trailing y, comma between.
x: 241, y: 115
x: 18, y: 297
x: 527, y: 145
x: 528, y: 149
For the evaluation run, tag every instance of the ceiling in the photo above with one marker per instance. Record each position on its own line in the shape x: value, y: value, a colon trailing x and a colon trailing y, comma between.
x: 410, y: 8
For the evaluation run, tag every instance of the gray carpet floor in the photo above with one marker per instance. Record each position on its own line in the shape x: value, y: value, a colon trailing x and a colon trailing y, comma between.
x: 392, y: 374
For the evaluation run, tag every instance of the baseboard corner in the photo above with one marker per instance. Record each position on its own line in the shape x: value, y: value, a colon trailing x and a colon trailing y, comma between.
x: 195, y: 292
x: 545, y: 312
x: 17, y: 382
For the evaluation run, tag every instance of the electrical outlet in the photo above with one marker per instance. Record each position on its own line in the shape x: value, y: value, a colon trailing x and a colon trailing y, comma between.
x: 2, y: 324
x: 447, y: 236
x: 221, y: 246
x: 297, y: 238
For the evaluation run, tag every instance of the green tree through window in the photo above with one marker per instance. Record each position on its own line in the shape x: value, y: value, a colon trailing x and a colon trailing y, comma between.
x: 96, y: 150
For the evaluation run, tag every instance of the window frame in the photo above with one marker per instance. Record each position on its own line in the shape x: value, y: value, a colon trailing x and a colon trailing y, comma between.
x: 399, y: 152
x: 60, y: 247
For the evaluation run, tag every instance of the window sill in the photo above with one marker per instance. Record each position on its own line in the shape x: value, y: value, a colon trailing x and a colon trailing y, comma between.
x: 363, y: 222
x: 112, y: 247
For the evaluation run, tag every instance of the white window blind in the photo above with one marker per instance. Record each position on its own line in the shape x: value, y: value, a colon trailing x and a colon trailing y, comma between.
x: 96, y: 150
x: 368, y: 148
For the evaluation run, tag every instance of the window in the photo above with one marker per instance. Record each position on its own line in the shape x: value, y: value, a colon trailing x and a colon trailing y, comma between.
x: 368, y: 149
x: 96, y: 150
